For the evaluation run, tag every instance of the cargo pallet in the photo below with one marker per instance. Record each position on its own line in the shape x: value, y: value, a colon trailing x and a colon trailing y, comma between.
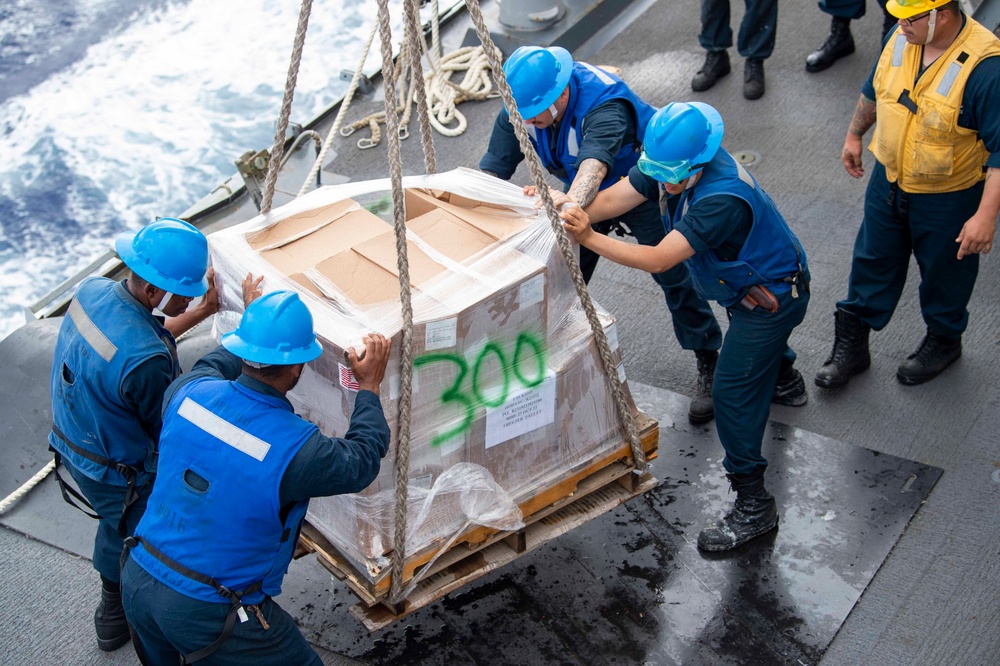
x: 594, y: 489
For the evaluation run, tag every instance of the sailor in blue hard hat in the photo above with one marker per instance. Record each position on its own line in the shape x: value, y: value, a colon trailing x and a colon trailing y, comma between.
x: 587, y: 125
x: 236, y: 471
x: 113, y: 359
x: 741, y: 253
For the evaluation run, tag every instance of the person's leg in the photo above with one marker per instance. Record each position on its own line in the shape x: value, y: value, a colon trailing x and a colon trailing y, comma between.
x: 755, y: 346
x: 751, y: 357
x: 756, y: 42
x: 848, y: 9
x: 695, y: 325
x: 878, y: 275
x: 946, y: 282
x: 758, y: 29
x: 840, y: 42
x: 716, y: 33
x: 881, y: 256
x: 108, y: 502
x: 716, y: 36
x: 140, y: 599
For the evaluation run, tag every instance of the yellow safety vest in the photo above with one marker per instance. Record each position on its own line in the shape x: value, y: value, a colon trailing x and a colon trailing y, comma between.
x: 917, y: 137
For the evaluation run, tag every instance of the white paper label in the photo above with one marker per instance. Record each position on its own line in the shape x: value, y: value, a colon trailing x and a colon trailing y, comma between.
x: 611, y: 333
x: 441, y: 334
x: 621, y: 373
x: 531, y: 292
x: 523, y: 412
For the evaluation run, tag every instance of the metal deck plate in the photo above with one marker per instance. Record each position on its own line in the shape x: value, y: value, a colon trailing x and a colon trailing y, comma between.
x: 627, y: 588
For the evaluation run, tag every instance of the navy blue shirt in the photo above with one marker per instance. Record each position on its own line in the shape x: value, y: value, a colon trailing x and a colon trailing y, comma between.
x: 605, y: 129
x: 980, y: 109
x: 720, y: 223
x: 142, y: 388
x: 324, y: 465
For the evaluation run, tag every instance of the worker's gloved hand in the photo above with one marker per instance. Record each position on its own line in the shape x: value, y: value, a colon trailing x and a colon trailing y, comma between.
x: 369, y: 368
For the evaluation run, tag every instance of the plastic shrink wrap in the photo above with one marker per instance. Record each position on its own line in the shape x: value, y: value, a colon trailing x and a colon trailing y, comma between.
x: 508, y: 391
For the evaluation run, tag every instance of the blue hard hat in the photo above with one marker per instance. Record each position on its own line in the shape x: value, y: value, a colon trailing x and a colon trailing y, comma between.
x: 169, y: 254
x: 537, y: 77
x: 276, y: 329
x: 680, y: 139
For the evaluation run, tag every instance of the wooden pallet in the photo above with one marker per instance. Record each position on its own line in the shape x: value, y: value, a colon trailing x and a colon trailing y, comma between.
x: 597, y: 487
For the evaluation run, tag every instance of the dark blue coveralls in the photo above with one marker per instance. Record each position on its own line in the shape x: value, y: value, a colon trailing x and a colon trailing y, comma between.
x: 119, y: 422
x: 756, y: 345
x: 610, y: 126
x: 898, y: 223
x: 757, y: 31
x: 168, y: 622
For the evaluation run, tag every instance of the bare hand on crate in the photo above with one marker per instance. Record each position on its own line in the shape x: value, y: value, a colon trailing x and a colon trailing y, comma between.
x: 369, y: 368
x: 251, y: 289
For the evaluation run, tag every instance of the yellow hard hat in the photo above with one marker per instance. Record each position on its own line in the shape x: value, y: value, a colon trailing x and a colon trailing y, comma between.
x: 902, y: 9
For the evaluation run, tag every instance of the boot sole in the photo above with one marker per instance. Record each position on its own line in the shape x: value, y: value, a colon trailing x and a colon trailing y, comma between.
x: 712, y: 548
x: 699, y: 420
x: 914, y: 380
x: 702, y: 87
x: 112, y: 644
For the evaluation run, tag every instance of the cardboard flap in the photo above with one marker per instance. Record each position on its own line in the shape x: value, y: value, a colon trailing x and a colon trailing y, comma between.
x: 495, y: 221
x: 351, y: 227
x: 362, y: 281
x: 297, y: 226
x: 449, y: 235
x: 381, y: 250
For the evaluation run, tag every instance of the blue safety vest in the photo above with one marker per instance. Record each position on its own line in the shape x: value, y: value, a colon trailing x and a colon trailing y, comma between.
x: 238, y: 442
x: 104, y: 336
x: 770, y: 253
x: 589, y: 87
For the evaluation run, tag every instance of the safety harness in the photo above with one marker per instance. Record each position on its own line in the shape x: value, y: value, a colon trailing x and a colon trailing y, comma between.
x: 235, y: 597
x: 69, y: 492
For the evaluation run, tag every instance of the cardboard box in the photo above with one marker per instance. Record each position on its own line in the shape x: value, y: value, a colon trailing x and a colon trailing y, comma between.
x: 495, y: 385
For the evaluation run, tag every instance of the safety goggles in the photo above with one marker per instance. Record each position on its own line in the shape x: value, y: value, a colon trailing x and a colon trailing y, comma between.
x: 666, y: 172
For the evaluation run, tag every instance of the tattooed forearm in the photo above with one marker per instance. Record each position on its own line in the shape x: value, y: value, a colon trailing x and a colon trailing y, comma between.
x: 864, y: 116
x: 588, y: 181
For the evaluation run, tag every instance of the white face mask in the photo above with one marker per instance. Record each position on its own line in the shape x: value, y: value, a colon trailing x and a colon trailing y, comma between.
x: 158, y: 310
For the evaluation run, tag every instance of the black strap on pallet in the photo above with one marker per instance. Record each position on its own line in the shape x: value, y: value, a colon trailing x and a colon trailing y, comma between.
x: 235, y: 597
x: 128, y: 471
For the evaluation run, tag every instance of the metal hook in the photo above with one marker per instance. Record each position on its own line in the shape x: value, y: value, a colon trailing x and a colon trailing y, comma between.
x: 366, y: 143
x: 404, y: 132
x: 348, y: 131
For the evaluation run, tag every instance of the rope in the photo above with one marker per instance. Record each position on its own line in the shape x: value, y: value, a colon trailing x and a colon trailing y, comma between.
x: 341, y: 112
x: 26, y: 487
x: 442, y: 96
x: 538, y: 176
x: 286, y: 107
x: 402, y: 470
x: 415, y: 41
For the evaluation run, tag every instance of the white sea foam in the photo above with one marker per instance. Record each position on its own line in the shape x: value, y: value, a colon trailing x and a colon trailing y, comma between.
x: 150, y: 120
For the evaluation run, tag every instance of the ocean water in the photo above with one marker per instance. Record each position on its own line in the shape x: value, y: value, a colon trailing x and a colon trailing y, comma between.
x: 114, y: 112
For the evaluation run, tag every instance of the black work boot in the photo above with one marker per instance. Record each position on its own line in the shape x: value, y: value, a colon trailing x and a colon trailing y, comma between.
x: 716, y: 66
x: 754, y: 513
x: 839, y: 43
x: 850, y: 351
x: 109, y: 620
x: 934, y: 354
x: 702, y: 410
x: 753, y: 78
x: 790, y: 389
